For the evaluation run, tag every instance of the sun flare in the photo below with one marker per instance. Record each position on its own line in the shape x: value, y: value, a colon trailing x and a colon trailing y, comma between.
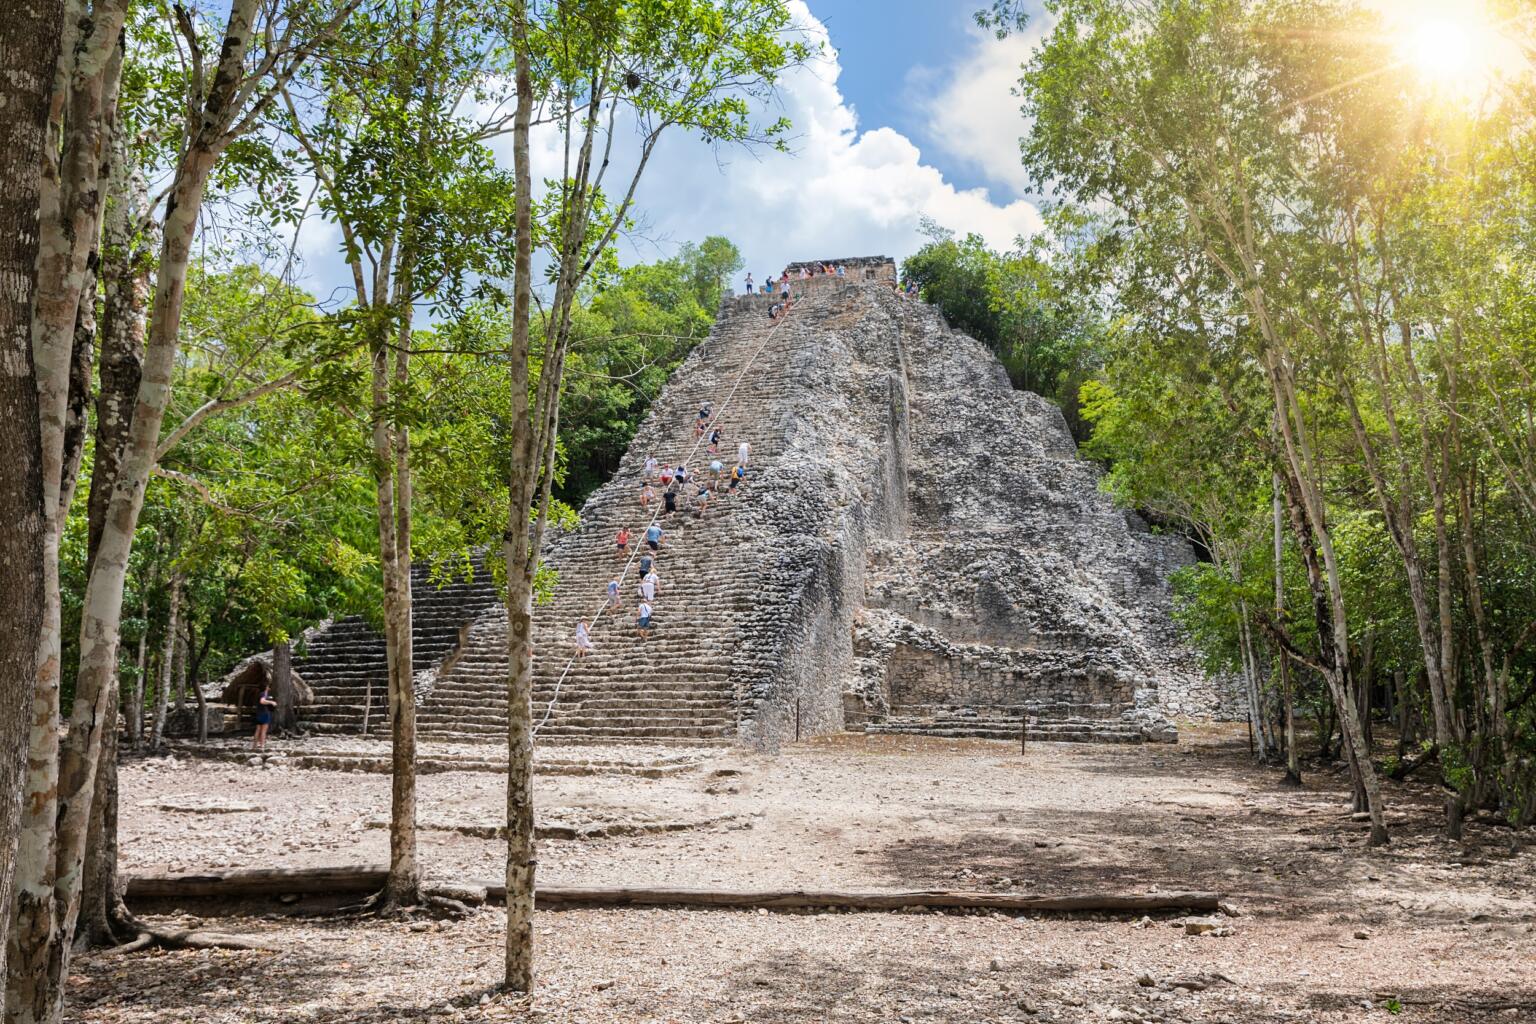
x: 1441, y: 49
x: 1457, y: 47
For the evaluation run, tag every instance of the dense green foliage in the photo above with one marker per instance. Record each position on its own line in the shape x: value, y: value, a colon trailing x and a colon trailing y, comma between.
x: 1319, y: 276
x: 628, y: 338
x: 1019, y: 304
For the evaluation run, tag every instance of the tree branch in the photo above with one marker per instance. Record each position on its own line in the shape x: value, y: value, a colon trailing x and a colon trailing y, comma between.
x: 219, y: 405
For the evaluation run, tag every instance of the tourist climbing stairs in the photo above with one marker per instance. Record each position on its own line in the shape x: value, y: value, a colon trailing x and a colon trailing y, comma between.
x: 682, y: 683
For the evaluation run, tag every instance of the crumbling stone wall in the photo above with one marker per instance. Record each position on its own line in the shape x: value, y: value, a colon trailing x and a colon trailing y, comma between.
x: 1014, y: 589
x: 837, y: 482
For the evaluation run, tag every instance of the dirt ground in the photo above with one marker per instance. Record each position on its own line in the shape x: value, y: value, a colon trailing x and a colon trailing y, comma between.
x: 1326, y: 930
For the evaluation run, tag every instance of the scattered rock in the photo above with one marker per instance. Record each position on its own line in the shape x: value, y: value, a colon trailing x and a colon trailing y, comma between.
x: 202, y: 805
x: 1200, y: 982
x: 1205, y: 926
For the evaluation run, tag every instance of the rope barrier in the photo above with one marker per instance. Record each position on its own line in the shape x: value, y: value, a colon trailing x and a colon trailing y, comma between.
x: 715, y: 418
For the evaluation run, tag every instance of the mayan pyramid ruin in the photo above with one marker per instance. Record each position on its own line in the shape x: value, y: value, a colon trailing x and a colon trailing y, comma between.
x: 918, y: 548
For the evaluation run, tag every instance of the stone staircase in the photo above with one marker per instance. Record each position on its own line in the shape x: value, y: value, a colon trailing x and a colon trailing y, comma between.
x: 1089, y: 725
x: 345, y: 663
x: 719, y: 624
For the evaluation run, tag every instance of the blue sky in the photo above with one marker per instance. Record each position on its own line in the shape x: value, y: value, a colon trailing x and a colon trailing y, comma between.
x: 888, y: 58
x: 908, y: 114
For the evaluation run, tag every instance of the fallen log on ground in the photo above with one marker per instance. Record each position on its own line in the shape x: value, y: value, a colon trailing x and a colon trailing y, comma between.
x: 247, y: 882
x: 561, y: 896
x: 342, y: 881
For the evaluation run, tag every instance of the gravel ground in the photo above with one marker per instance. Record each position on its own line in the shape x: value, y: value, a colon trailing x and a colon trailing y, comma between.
x: 1436, y: 930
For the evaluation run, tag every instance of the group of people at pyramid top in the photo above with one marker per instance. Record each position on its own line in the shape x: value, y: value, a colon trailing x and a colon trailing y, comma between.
x: 780, y: 285
x: 679, y: 488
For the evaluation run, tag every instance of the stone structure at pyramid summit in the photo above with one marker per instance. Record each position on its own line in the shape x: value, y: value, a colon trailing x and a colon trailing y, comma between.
x: 916, y: 548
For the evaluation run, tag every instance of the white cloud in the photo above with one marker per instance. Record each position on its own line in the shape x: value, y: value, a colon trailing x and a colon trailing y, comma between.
x: 840, y: 192
x: 973, y: 114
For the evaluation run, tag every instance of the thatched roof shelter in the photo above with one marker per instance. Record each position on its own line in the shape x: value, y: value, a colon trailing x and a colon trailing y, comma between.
x: 245, y: 683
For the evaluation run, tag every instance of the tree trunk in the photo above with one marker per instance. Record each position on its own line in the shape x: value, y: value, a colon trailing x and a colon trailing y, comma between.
x: 125, y: 274
x: 1310, y: 525
x: 1287, y: 682
x: 1257, y: 722
x: 404, y: 885
x: 282, y: 687
x: 202, y: 710
x: 82, y: 357
x: 167, y: 662
x: 44, y: 938
x: 61, y: 786
x: 1363, y: 684
x: 100, y: 901
x: 30, y: 43
x: 1400, y: 517
x: 1327, y: 723
x: 140, y: 668
x: 82, y: 107
x: 521, y: 857
x: 179, y: 687
x: 351, y: 880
